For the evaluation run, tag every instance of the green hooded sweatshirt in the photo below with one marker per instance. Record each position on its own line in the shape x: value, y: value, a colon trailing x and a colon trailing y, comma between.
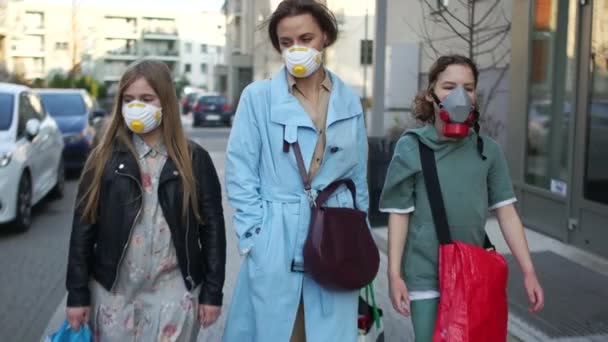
x: 470, y: 187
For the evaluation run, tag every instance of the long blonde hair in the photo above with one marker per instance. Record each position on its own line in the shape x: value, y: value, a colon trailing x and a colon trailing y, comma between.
x: 158, y: 76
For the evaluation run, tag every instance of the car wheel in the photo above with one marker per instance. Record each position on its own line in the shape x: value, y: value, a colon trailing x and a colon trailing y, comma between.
x: 24, y: 204
x: 59, y: 188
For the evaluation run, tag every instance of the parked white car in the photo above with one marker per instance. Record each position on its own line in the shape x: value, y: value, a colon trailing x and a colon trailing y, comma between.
x: 31, y: 164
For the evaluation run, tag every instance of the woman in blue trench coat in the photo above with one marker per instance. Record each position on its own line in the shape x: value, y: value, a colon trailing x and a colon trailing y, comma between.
x: 275, y: 299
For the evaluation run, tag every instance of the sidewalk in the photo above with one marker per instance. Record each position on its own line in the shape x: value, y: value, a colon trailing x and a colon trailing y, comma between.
x: 575, y: 284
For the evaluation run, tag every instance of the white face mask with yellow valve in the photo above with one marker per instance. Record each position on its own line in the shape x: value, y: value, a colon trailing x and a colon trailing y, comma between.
x: 302, y: 61
x: 141, y: 117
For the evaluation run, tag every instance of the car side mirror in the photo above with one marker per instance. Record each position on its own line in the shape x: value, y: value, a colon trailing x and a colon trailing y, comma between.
x: 32, y: 128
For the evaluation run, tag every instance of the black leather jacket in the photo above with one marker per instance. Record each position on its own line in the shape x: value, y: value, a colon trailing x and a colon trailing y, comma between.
x: 96, y: 250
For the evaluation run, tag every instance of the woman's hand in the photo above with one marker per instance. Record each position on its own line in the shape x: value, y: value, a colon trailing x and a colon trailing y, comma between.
x: 208, y: 314
x: 535, y: 292
x: 78, y: 316
x: 399, y: 295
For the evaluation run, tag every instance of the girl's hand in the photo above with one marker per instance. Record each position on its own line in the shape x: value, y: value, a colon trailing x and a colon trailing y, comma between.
x: 77, y: 316
x: 208, y: 314
x: 399, y: 295
x: 535, y: 292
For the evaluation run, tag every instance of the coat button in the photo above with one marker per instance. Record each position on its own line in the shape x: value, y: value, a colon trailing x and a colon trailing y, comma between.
x: 257, y: 230
x: 248, y: 235
x: 334, y: 149
x: 121, y: 166
x: 175, y: 173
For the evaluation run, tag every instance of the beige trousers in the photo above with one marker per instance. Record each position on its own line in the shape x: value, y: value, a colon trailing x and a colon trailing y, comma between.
x: 298, y: 334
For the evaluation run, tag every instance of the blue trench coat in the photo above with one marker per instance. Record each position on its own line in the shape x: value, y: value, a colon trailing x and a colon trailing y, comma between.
x: 273, y: 212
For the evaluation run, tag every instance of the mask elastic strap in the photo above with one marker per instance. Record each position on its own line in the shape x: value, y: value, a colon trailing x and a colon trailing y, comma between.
x: 437, y: 100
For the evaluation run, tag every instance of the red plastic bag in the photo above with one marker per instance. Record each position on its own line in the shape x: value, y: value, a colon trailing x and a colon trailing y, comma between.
x: 473, y: 302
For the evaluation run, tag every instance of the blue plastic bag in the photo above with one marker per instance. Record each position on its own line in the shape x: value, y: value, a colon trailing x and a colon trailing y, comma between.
x: 67, y: 334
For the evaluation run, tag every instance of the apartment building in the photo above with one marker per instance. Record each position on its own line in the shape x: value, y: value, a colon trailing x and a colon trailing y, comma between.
x: 127, y: 38
x: 42, y: 38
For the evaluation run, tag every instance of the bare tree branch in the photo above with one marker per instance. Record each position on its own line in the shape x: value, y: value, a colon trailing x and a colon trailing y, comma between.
x: 487, y: 14
x: 498, y: 43
x: 427, y: 36
x: 503, y: 57
x: 480, y: 41
x: 446, y: 10
x: 448, y: 23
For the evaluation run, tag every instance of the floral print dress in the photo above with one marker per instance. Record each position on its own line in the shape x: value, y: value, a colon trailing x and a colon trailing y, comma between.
x: 150, y: 301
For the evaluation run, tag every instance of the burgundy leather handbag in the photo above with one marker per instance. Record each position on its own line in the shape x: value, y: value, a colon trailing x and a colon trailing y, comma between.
x: 339, y: 251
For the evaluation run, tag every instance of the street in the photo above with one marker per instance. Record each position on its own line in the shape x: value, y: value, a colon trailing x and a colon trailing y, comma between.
x: 33, y: 265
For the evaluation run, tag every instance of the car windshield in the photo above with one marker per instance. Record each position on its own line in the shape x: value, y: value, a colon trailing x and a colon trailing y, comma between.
x: 58, y: 104
x: 212, y: 100
x: 6, y: 111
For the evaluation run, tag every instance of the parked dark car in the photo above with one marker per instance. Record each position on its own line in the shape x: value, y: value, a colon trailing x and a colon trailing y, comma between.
x: 77, y: 118
x: 212, y: 110
x: 188, y: 102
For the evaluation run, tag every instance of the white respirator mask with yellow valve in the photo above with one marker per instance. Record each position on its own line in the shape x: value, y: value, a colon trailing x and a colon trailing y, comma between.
x: 302, y: 61
x: 141, y: 117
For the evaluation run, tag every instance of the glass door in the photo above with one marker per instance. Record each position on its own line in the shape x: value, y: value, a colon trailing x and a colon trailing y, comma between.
x: 550, y: 99
x: 589, y: 210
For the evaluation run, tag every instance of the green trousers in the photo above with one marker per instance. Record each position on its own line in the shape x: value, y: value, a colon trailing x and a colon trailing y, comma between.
x: 424, y: 313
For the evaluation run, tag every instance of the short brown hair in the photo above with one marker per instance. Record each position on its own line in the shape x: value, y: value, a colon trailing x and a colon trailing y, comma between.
x: 423, y: 110
x: 289, y: 8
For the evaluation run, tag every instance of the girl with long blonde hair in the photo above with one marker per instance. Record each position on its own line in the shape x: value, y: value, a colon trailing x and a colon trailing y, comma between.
x: 147, y: 249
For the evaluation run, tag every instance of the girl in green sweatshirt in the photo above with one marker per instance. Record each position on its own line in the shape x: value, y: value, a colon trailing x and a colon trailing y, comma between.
x: 474, y: 179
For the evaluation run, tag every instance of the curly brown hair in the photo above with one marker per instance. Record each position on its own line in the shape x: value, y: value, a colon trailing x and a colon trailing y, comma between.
x: 423, y: 110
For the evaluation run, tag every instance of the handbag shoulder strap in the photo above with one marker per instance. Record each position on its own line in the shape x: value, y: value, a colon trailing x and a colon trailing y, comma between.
x: 433, y: 188
x: 329, y: 190
x: 301, y: 167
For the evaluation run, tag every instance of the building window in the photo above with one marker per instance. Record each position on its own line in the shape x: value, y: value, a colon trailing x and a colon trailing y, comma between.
x: 596, y: 175
x: 188, y: 47
x: 34, y: 20
x: 203, y: 48
x: 61, y: 46
x: 204, y: 68
x: 187, y: 67
x: 218, y: 50
x: 550, y: 96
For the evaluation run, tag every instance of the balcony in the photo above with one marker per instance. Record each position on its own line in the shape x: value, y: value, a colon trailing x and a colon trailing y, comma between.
x: 121, y: 55
x: 168, y: 55
x: 160, y: 33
